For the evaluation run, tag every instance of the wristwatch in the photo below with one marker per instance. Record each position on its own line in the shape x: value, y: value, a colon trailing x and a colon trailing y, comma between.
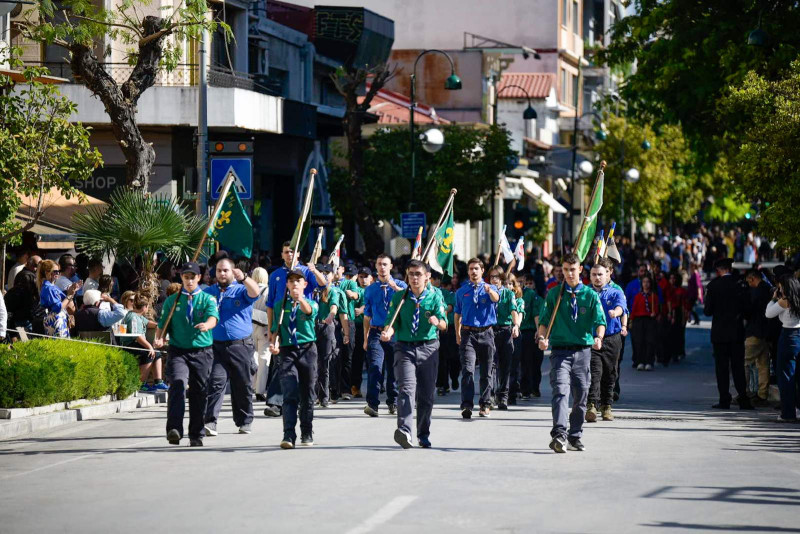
x: 245, y: 277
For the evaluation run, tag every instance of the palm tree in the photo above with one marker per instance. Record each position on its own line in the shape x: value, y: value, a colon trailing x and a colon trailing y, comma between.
x: 137, y: 225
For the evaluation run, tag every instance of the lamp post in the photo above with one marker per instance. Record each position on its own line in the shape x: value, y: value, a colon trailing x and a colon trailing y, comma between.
x: 452, y: 83
x: 578, y: 118
x: 528, y: 114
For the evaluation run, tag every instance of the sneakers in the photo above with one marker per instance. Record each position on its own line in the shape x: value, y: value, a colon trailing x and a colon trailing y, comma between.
x: 245, y: 429
x: 606, y: 412
x: 161, y: 386
x: 648, y: 367
x: 466, y: 413
x: 272, y: 411
x: 392, y: 409
x: 537, y: 393
x: 512, y: 401
x: 322, y: 404
x: 346, y: 397
x: 640, y: 367
x: 307, y: 440
x: 425, y: 443
x: 526, y: 397
x: 575, y: 445
x: 440, y: 392
x: 370, y: 411
x: 287, y: 443
x: 196, y: 442
x: 402, y: 439
x: 174, y: 437
x: 591, y: 413
x: 146, y: 388
x: 558, y: 444
x: 211, y: 429
x: 485, y: 411
x: 503, y: 407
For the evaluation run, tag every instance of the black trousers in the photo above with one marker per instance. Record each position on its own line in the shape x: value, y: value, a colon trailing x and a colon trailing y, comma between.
x: 340, y: 382
x: 729, y: 360
x: 449, y: 364
x: 504, y: 355
x: 532, y: 357
x: 619, y: 364
x: 513, y: 388
x: 604, y: 370
x: 326, y: 348
x: 298, y: 365
x: 188, y: 368
x: 232, y: 362
x: 357, y: 365
x: 476, y: 347
x: 645, y: 337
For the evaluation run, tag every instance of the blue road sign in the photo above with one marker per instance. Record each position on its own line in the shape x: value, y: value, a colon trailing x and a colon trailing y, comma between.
x: 242, y: 170
x: 410, y: 222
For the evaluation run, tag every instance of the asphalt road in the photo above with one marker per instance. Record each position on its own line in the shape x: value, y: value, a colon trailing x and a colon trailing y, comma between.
x: 667, y: 464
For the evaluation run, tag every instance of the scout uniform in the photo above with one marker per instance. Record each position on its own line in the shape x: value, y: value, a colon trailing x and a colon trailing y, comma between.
x: 532, y: 355
x: 478, y: 315
x: 340, y: 384
x: 449, y: 366
x: 326, y: 339
x: 190, y: 358
x: 604, y: 361
x: 504, y: 344
x: 298, y: 367
x: 571, y: 338
x: 377, y: 299
x: 516, y: 358
x: 233, y: 356
x: 416, y: 356
x: 357, y: 365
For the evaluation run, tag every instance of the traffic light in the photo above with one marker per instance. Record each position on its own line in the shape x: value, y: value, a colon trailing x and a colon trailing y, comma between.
x: 518, y: 221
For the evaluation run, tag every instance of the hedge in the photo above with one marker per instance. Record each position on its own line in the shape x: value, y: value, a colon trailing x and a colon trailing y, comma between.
x: 46, y: 371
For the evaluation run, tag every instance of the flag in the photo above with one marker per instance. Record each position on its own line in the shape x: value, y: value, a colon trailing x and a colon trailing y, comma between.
x: 612, y: 252
x: 231, y: 227
x: 586, y: 238
x: 505, y: 248
x: 440, y: 257
x: 519, y: 253
x: 416, y: 252
x: 301, y: 230
x: 336, y: 254
x: 317, y: 252
x: 601, y: 245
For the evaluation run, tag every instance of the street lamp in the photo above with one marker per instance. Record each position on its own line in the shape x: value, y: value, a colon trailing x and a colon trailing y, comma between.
x: 574, y: 161
x: 452, y: 83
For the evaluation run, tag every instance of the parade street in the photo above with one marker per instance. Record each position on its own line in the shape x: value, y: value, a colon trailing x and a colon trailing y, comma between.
x: 666, y: 464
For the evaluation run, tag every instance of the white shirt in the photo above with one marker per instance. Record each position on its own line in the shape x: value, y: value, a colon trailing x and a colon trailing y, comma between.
x: 90, y: 283
x: 3, y: 317
x: 788, y: 319
x: 13, y: 274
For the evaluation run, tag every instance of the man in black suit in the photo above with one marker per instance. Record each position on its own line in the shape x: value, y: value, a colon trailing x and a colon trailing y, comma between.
x: 726, y: 298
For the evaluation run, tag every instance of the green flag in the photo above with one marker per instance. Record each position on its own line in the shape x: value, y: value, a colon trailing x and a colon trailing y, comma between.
x: 586, y: 238
x: 232, y: 227
x: 440, y: 257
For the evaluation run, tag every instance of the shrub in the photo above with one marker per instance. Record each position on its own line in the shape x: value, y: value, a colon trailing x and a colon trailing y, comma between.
x: 45, y: 371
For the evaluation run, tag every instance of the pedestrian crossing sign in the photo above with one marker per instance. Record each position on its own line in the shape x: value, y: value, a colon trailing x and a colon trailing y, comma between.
x: 241, y: 169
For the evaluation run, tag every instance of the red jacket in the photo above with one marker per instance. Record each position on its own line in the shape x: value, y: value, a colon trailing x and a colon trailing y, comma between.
x: 640, y: 305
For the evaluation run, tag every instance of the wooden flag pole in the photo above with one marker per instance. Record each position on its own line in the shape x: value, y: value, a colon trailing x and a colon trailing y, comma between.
x: 600, y: 173
x: 497, y: 256
x: 511, y: 266
x: 211, y: 220
x: 428, y: 246
x: 295, y: 252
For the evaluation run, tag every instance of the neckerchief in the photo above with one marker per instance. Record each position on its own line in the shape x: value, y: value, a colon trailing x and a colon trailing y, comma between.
x: 293, y: 323
x: 647, y: 303
x: 387, y: 299
x: 573, y: 301
x: 415, y: 319
x: 476, y: 286
x: 189, y: 304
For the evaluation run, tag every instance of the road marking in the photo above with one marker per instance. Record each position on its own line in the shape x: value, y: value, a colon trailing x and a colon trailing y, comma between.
x: 62, y: 462
x: 391, y: 509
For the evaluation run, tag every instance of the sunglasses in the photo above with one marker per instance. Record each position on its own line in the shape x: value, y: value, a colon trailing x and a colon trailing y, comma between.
x: 55, y: 272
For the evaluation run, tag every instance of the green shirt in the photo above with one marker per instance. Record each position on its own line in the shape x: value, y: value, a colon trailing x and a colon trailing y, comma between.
x: 566, y: 331
x: 532, y: 303
x: 431, y: 304
x: 136, y: 324
x: 449, y: 300
x: 358, y: 304
x: 304, y: 323
x: 506, y: 304
x: 335, y: 298
x: 182, y: 332
x: 350, y: 304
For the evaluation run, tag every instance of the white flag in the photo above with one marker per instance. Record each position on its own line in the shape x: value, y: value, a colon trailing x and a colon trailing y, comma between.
x: 505, y: 248
x: 519, y: 253
x: 335, y: 255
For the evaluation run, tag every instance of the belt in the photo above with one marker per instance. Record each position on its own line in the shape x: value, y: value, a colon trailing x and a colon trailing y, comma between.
x: 503, y: 326
x: 571, y: 347
x: 378, y: 328
x: 298, y: 346
x: 243, y: 341
x: 476, y: 328
x: 416, y: 343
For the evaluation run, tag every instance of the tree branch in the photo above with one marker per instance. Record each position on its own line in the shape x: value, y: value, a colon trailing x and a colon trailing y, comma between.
x: 110, y: 24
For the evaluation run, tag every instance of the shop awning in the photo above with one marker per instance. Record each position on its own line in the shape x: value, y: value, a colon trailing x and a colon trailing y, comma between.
x: 534, y: 190
x: 53, y: 230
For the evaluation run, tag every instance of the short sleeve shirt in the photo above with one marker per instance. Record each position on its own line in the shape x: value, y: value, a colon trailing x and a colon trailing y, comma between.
x: 533, y: 307
x: 476, y: 310
x: 235, y: 308
x: 304, y: 322
x: 182, y: 331
x: 358, y: 304
x: 378, y: 299
x: 430, y: 304
x: 136, y: 324
x: 349, y: 304
x: 580, y: 331
x: 335, y: 298
x: 610, y: 298
x: 506, y: 304
x: 277, y: 284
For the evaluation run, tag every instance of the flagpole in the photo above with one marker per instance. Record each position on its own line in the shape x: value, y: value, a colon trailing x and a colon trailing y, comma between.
x: 317, y: 247
x: 600, y: 173
x: 432, y: 239
x: 511, y: 266
x: 295, y: 252
x: 225, y: 188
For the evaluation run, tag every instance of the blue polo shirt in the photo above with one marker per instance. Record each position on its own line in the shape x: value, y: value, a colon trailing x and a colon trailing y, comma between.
x: 277, y: 284
x: 610, y: 298
x: 377, y: 299
x: 479, y: 315
x: 235, y: 308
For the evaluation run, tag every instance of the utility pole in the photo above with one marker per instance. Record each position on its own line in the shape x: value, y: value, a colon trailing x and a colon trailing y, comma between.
x: 202, y: 127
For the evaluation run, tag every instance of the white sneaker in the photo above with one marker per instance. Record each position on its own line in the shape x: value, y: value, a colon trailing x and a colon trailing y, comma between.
x: 640, y: 367
x: 648, y: 367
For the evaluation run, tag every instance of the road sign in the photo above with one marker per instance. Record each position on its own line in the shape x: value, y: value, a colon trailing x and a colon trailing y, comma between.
x: 326, y: 221
x: 242, y: 171
x: 410, y: 222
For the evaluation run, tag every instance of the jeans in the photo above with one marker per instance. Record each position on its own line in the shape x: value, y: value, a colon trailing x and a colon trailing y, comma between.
x: 188, y: 367
x: 298, y: 378
x: 788, y: 354
x: 415, y: 366
x: 604, y: 370
x: 569, y: 373
x: 379, y: 353
x: 476, y: 346
x: 235, y: 363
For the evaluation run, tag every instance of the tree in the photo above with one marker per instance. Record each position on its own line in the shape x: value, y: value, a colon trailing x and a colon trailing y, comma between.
x: 354, y: 210
x: 40, y: 150
x: 135, y: 227
x: 763, y: 150
x: 152, y: 43
x: 470, y: 160
x: 687, y: 53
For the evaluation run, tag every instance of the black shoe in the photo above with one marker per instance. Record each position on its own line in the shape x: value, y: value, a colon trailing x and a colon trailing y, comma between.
x: 537, y: 393
x: 746, y: 405
x: 526, y: 396
x: 466, y: 413
x: 512, y: 401
x: 323, y: 404
x: 370, y: 411
x: 272, y: 411
x: 402, y: 439
x: 558, y: 445
x: 287, y: 443
x: 174, y: 437
x: 307, y: 440
x: 455, y: 385
x: 502, y: 407
x: 195, y: 442
x: 261, y: 398
x: 616, y: 396
x: 425, y: 443
x: 575, y: 445
x: 440, y: 392
x: 392, y: 409
x: 721, y: 406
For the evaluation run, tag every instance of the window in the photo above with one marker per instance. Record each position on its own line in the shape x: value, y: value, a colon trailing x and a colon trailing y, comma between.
x: 564, y: 12
x: 563, y: 85
x: 575, y: 25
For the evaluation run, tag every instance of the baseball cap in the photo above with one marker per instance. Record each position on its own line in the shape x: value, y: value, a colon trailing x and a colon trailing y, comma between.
x: 190, y: 267
x: 298, y: 273
x: 365, y: 271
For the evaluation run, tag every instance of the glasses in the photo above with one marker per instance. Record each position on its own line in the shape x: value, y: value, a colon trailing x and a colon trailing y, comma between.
x: 55, y: 272
x: 417, y: 273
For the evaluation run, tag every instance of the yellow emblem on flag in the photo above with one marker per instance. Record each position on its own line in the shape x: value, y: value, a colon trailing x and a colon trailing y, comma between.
x: 224, y: 218
x: 447, y: 242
